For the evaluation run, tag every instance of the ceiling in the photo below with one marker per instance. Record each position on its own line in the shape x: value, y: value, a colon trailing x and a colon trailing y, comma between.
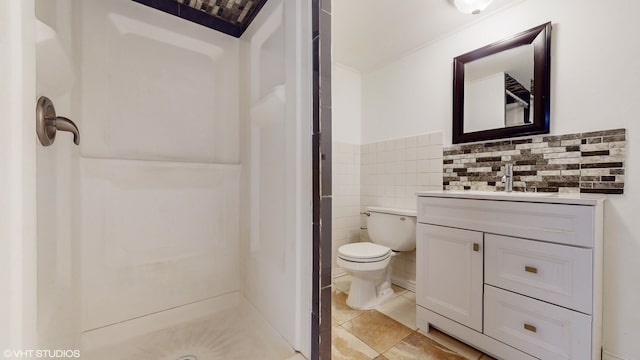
x: 371, y: 33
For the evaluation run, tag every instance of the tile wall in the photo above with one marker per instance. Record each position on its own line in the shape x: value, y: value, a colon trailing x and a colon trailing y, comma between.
x: 591, y: 162
x: 231, y: 17
x: 346, y: 198
x: 392, y: 172
x: 234, y: 12
x: 388, y: 174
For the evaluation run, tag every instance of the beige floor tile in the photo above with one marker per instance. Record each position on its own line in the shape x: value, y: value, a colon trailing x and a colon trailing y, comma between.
x: 378, y: 330
x: 461, y: 348
x: 397, y: 290
x: 334, y: 323
x: 345, y: 346
x: 340, y: 311
x: 347, y: 326
x: 401, y: 310
x: 410, y: 295
x: 417, y: 346
x: 381, y: 357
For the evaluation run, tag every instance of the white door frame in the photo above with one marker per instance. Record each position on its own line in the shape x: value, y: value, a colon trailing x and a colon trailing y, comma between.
x: 18, y: 297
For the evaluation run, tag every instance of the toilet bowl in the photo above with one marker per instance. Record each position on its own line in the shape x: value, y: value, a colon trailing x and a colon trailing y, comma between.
x: 390, y: 231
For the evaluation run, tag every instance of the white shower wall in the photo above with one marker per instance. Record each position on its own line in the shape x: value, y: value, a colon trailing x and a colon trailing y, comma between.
x: 156, y: 235
x: 159, y: 162
x: 57, y: 181
x: 141, y: 227
x: 276, y: 174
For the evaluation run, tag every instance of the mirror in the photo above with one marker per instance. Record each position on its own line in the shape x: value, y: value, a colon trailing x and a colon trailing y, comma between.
x: 502, y: 90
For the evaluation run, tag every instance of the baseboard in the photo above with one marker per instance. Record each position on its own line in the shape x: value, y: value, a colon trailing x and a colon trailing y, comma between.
x: 609, y: 356
x: 404, y: 283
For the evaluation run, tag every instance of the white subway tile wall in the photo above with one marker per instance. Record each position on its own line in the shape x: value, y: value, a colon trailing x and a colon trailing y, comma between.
x: 346, y: 198
x: 386, y: 173
x: 392, y: 172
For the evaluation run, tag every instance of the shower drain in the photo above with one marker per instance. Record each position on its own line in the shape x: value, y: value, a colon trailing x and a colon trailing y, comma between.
x: 187, y: 357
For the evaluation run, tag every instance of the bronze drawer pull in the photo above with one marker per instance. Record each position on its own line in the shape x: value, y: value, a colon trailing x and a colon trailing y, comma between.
x: 530, y: 328
x: 476, y: 247
x: 531, y: 269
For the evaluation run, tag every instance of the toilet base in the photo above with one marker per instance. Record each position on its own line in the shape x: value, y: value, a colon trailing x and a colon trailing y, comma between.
x: 370, y: 282
x: 364, y: 294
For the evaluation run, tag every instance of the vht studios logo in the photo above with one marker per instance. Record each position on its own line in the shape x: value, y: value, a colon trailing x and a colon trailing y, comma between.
x: 40, y: 354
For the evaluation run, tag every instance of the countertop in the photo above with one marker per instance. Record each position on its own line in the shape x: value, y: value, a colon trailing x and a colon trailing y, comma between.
x: 552, y: 198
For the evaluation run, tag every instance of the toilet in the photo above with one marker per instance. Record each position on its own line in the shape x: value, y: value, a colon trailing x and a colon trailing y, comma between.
x: 391, y: 231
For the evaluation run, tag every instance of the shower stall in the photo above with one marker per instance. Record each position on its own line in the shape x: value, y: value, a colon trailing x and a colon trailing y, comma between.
x: 180, y: 226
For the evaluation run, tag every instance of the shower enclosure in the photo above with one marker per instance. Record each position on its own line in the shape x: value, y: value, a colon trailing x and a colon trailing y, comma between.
x: 181, y: 224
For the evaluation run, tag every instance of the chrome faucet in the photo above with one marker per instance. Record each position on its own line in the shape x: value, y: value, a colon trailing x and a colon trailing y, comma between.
x: 507, y: 178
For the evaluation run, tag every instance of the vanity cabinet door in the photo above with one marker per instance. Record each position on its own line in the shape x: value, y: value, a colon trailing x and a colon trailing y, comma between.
x: 449, y: 273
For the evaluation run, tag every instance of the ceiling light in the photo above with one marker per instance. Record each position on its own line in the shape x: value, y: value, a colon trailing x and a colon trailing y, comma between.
x: 471, y: 6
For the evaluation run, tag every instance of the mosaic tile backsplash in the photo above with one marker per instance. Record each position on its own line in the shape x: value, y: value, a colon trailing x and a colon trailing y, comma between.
x: 591, y: 162
x: 234, y: 11
x: 231, y: 17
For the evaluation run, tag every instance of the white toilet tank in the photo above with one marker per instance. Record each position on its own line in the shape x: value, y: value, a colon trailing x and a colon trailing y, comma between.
x: 393, y: 228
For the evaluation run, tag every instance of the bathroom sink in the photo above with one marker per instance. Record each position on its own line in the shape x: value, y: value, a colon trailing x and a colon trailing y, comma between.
x: 498, y: 193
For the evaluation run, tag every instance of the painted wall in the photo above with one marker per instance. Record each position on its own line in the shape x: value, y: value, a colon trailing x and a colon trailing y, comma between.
x: 593, y: 87
x: 346, y: 89
x: 484, y: 105
x: 386, y: 173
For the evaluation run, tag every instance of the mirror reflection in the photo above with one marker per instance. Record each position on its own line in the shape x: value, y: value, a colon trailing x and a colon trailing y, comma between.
x: 499, y: 90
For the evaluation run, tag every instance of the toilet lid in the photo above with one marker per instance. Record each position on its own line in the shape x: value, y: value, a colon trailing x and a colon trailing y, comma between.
x: 363, y: 252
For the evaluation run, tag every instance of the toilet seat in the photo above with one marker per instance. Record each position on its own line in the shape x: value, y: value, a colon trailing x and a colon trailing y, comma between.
x: 364, y: 252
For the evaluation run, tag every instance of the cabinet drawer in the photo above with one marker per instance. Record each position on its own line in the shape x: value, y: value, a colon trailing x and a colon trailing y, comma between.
x: 554, y: 273
x: 543, y: 330
x: 559, y: 223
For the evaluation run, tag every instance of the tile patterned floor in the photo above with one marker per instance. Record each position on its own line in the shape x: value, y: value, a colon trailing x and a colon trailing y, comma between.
x: 388, y: 332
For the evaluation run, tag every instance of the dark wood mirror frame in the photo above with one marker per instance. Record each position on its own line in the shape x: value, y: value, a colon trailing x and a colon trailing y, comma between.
x: 540, y: 37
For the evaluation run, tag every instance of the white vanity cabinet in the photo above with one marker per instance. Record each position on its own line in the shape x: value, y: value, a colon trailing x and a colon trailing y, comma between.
x: 452, y: 268
x: 518, y: 276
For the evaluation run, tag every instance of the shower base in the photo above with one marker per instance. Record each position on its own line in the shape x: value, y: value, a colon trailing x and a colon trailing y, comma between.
x: 226, y: 327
